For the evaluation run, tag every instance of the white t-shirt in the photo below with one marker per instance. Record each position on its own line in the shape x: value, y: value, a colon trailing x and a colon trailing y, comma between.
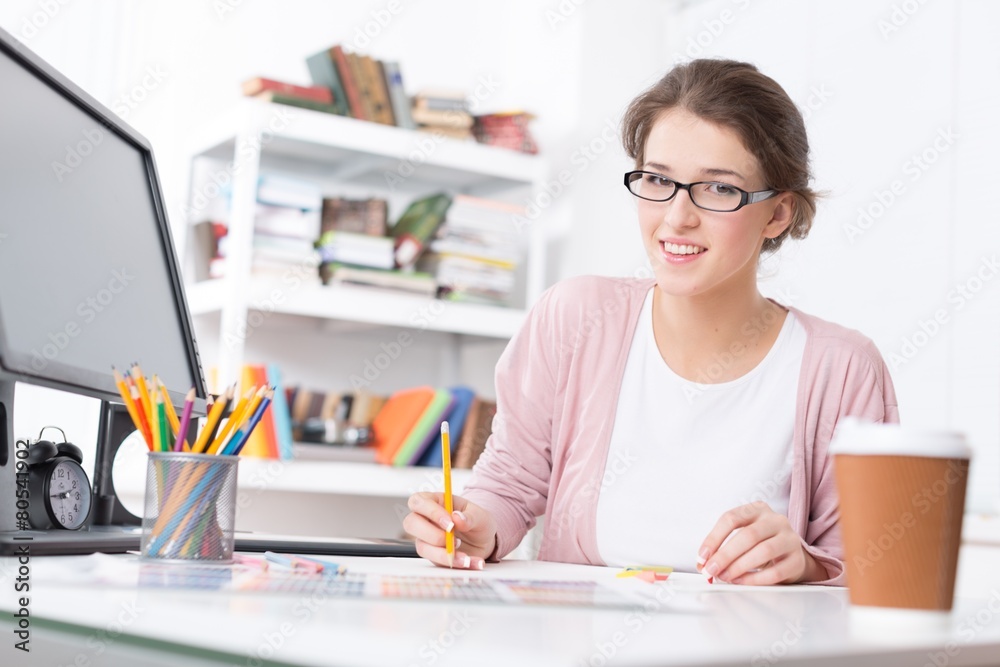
x: 683, y: 453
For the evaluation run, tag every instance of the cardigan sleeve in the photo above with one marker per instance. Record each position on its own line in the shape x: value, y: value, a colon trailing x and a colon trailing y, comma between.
x: 511, y: 479
x: 867, y: 393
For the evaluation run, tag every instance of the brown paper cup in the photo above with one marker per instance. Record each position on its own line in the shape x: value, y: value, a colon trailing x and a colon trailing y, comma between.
x: 902, y: 499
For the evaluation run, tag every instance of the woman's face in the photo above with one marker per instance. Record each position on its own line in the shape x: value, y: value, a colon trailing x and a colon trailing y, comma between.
x: 695, y: 252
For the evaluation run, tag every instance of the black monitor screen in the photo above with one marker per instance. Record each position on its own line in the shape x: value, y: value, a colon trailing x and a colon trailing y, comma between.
x: 86, y: 278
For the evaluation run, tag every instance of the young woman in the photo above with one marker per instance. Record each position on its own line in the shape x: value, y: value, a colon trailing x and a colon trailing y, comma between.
x: 682, y: 420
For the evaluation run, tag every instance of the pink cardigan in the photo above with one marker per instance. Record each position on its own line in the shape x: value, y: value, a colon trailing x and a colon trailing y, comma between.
x: 557, y: 387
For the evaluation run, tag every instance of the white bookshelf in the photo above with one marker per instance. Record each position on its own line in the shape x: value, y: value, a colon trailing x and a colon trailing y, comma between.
x: 347, y: 157
x: 337, y: 152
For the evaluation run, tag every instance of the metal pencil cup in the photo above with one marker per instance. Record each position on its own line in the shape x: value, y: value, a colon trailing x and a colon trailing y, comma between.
x: 190, y: 511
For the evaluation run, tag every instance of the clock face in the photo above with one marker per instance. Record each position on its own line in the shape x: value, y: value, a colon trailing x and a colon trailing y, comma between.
x: 69, y: 494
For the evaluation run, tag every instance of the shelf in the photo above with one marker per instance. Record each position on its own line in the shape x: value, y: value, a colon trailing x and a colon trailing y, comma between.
x: 368, y: 305
x: 326, y: 477
x: 365, y: 152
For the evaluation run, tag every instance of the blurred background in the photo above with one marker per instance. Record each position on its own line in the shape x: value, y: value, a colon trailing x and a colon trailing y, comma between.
x: 900, y: 100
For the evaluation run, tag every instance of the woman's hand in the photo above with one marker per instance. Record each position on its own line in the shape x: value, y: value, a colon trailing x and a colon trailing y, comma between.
x: 475, y: 530
x: 762, y: 549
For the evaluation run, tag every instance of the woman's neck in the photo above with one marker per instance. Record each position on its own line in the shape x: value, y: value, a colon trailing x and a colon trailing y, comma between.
x: 715, y: 338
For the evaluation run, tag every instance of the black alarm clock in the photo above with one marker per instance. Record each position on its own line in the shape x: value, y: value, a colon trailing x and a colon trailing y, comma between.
x: 60, y: 494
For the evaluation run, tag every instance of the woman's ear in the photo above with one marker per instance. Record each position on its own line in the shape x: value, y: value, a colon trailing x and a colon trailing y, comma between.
x: 781, y: 217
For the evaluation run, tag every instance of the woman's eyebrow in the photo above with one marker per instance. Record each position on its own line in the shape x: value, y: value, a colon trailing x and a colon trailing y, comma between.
x: 715, y: 173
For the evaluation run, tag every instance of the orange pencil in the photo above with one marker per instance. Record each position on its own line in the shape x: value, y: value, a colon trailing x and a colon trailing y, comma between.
x: 129, y: 404
x: 140, y: 382
x: 144, y: 426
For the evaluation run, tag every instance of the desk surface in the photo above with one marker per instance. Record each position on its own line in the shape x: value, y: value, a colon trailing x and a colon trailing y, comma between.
x: 685, y: 621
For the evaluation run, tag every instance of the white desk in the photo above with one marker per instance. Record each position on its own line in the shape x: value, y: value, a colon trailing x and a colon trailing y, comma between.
x: 690, y: 623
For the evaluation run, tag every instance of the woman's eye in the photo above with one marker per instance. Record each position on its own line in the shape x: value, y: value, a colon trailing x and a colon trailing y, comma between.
x: 721, y: 189
x: 658, y: 181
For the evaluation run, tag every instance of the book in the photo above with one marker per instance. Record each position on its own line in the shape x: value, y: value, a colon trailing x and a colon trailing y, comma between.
x: 360, y: 216
x: 396, y: 419
x: 417, y: 226
x: 286, y: 221
x: 381, y: 106
x: 262, y: 441
x: 397, y: 94
x: 425, y: 430
x: 280, y: 190
x: 259, y: 84
x: 478, y: 428
x: 362, y: 84
x: 416, y: 282
x: 291, y: 100
x: 351, y: 90
x: 323, y: 72
x: 456, y: 423
x: 281, y: 414
x: 442, y: 118
x: 356, y: 249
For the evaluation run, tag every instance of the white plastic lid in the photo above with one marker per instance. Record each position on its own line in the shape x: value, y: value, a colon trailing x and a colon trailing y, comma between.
x: 857, y: 437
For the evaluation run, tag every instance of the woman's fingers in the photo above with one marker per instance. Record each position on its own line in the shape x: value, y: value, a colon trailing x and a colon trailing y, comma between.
x: 423, y: 530
x: 439, y: 556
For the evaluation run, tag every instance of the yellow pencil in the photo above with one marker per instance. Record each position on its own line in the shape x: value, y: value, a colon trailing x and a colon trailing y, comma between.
x: 157, y: 436
x: 247, y: 413
x: 213, y: 417
x: 449, y: 537
x: 175, y: 423
x: 235, y: 418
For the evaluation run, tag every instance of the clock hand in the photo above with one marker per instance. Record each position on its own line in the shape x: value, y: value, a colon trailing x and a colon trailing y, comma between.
x: 64, y: 494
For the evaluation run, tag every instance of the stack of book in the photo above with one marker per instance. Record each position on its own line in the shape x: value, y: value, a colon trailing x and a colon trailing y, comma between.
x: 384, y: 261
x: 352, y: 234
x: 407, y: 430
x: 476, y: 251
x: 443, y: 112
x: 507, y: 130
x: 361, y: 86
x: 333, y: 425
x: 317, y: 98
x: 286, y: 224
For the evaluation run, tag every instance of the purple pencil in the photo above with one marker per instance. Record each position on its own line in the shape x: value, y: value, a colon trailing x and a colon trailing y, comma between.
x: 185, y: 421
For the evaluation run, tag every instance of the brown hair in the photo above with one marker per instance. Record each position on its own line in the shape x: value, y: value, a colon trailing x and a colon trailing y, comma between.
x: 738, y: 96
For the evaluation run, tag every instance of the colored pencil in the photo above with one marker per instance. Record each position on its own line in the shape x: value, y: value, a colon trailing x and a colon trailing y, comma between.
x: 133, y: 412
x: 144, y: 425
x: 234, y: 420
x: 182, y: 429
x: 164, y: 426
x: 213, y: 417
x: 248, y: 413
x: 155, y: 425
x: 140, y: 382
x: 175, y: 423
x: 449, y: 536
x: 234, y: 447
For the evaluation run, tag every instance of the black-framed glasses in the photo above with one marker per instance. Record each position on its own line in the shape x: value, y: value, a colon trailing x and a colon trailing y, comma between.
x: 709, y: 195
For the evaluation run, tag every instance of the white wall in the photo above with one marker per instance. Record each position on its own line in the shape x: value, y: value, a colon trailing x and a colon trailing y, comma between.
x: 878, y: 100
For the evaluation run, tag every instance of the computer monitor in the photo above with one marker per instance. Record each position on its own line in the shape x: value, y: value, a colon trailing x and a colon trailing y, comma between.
x: 88, y: 272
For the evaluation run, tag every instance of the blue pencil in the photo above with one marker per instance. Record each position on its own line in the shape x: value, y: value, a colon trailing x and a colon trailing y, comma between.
x: 241, y: 436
